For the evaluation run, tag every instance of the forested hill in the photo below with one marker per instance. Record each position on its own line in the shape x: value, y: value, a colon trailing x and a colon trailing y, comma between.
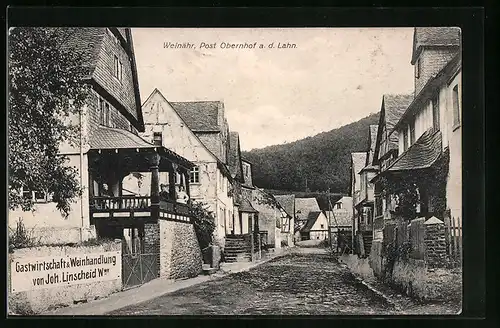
x: 322, y: 160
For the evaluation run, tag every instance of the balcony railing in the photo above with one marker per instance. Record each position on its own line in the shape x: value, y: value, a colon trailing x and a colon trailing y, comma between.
x: 132, y: 207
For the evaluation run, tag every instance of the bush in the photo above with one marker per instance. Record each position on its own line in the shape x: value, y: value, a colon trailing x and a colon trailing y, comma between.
x: 284, y: 243
x: 20, y: 237
x: 204, y: 224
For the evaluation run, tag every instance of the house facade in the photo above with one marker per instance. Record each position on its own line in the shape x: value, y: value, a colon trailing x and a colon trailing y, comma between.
x: 248, y: 215
x: 429, y: 131
x: 358, y: 160
x: 316, y: 227
x: 236, y: 170
x: 209, y: 179
x: 303, y: 206
x: 110, y: 150
x: 385, y: 153
x: 365, y: 203
x: 113, y: 106
x: 270, y: 217
x: 287, y: 202
x: 340, y: 216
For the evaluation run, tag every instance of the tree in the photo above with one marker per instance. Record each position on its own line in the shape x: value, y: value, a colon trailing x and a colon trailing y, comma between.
x: 47, y: 86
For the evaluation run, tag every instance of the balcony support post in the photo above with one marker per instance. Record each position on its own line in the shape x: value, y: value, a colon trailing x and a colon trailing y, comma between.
x: 154, y: 162
x: 171, y: 181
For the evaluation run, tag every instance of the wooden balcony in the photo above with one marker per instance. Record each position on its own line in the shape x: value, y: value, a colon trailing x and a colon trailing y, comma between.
x: 130, y: 209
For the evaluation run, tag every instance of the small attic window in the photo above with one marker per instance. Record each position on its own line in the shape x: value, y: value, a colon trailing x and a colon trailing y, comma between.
x: 417, y: 68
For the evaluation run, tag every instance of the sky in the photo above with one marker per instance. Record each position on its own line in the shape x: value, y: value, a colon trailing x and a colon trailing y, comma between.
x: 333, y: 76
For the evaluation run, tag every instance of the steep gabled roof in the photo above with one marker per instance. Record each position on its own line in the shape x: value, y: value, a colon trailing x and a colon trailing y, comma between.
x: 373, y: 142
x: 234, y: 161
x: 311, y: 220
x: 340, y: 218
x: 246, y: 206
x: 200, y: 116
x: 434, y: 37
x: 395, y: 105
x: 358, y: 161
x: 422, y: 154
x: 303, y: 206
x: 287, y: 202
x: 220, y: 165
x: 248, y: 180
x: 88, y: 42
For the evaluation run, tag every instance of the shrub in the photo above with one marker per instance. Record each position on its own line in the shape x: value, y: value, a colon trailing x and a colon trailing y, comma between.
x: 204, y: 223
x: 20, y: 237
x: 284, y: 243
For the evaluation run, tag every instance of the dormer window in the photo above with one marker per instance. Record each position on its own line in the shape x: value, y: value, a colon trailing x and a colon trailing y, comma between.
x: 417, y: 69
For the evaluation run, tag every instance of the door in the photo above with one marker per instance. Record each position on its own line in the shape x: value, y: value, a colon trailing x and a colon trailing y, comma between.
x: 138, y: 267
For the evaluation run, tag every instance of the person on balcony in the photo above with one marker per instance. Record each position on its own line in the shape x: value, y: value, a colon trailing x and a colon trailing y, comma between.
x: 106, y: 192
x: 182, y: 197
x: 164, y: 195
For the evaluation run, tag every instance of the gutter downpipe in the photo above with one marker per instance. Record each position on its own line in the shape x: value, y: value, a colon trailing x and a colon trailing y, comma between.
x: 81, y: 176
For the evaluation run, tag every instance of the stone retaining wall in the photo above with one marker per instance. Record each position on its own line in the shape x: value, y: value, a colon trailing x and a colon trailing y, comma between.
x: 41, y: 300
x: 180, y: 253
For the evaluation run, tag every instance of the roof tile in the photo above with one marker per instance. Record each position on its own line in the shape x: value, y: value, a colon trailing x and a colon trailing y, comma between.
x: 199, y: 115
x: 287, y: 202
x: 422, y: 154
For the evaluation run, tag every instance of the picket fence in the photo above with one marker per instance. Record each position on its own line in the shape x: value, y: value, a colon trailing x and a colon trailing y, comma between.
x: 453, y: 226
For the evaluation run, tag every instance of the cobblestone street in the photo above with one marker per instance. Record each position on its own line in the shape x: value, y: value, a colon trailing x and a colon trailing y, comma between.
x: 296, y: 284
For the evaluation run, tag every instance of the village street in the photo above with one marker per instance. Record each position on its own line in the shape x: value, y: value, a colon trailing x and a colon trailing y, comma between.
x: 310, y: 282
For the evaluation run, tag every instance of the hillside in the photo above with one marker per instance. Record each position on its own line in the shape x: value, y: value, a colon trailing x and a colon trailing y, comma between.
x: 322, y: 160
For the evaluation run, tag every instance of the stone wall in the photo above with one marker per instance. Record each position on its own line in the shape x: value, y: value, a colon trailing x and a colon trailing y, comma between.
x: 180, y: 253
x: 435, y: 245
x: 41, y: 300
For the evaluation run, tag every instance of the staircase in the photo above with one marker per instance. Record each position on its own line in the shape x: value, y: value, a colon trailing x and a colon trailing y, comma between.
x: 237, y: 249
x: 367, y: 241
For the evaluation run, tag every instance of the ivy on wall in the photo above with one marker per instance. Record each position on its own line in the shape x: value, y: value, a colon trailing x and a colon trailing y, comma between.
x: 407, y: 188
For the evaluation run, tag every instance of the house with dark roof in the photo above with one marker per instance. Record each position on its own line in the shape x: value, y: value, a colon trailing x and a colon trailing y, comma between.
x: 429, y: 130
x: 303, y: 206
x: 269, y: 218
x: 210, y: 178
x: 110, y: 150
x: 316, y: 227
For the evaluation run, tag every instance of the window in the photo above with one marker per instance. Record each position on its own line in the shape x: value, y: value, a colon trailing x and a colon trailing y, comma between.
x: 195, y: 175
x: 417, y: 69
x: 405, y: 139
x: 338, y: 206
x: 412, y: 133
x: 36, y: 196
x: 435, y: 112
x: 157, y: 139
x: 104, y: 112
x: 117, y: 68
x: 322, y: 226
x: 456, y: 106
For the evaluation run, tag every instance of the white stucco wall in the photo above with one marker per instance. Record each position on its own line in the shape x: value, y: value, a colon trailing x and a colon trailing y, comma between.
x: 159, y: 116
x: 454, y: 142
x: 45, y: 222
x: 451, y: 137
